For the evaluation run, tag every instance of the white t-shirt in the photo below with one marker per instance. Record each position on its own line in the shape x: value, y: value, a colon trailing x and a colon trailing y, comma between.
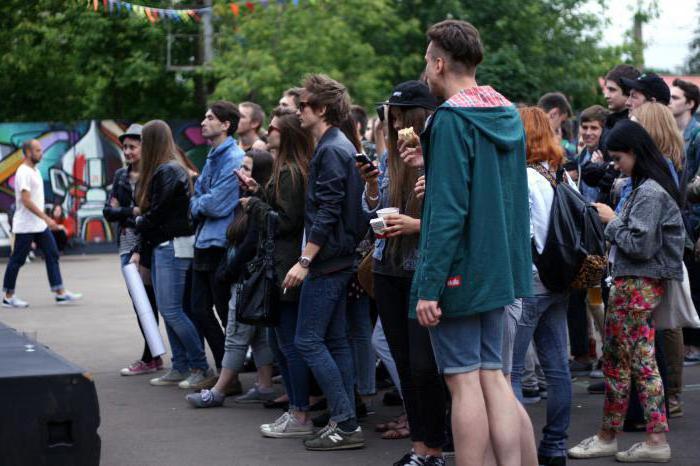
x: 24, y: 221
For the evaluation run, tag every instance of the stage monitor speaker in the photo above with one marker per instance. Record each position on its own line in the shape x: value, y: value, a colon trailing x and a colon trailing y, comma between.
x: 49, y: 412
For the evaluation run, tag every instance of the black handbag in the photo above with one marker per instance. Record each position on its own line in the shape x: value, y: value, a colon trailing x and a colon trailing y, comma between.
x: 258, y: 298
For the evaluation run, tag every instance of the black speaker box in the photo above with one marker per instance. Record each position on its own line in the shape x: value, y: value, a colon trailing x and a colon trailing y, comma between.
x: 49, y: 412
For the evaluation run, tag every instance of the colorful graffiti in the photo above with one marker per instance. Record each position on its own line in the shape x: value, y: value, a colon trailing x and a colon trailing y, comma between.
x: 78, y: 166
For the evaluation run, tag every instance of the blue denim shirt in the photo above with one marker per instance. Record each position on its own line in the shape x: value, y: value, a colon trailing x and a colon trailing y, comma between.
x: 216, y: 194
x: 589, y: 193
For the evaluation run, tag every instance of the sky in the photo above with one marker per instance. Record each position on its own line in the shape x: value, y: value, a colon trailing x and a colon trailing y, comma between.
x: 667, y: 37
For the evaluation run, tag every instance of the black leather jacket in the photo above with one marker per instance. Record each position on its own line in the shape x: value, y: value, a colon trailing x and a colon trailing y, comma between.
x: 121, y: 191
x: 167, y: 216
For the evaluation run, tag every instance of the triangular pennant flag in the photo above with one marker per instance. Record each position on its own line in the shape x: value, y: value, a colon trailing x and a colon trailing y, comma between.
x: 235, y: 9
x: 128, y: 7
x: 119, y: 7
x: 296, y: 2
x: 264, y: 3
x: 193, y: 14
x: 95, y: 4
x: 250, y: 6
x: 149, y: 15
x: 155, y: 14
x: 281, y: 2
x: 104, y: 4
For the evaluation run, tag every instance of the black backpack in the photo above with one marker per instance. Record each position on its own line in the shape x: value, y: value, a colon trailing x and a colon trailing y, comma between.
x: 574, y: 252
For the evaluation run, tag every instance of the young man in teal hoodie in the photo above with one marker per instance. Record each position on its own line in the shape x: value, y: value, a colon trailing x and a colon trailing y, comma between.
x: 474, y: 242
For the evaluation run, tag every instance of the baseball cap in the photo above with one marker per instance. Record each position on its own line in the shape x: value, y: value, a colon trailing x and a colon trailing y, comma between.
x: 412, y: 94
x: 651, y: 85
x: 133, y: 131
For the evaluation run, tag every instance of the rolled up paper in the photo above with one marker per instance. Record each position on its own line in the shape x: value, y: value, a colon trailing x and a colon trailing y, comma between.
x: 143, y: 309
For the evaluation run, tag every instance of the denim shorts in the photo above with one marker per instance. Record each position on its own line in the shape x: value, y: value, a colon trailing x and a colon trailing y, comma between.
x: 466, y: 344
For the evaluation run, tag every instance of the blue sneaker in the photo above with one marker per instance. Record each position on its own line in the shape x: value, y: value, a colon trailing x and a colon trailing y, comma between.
x: 206, y: 399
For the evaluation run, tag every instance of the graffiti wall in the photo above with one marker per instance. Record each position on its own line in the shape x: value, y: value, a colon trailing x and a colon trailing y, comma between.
x: 78, y: 167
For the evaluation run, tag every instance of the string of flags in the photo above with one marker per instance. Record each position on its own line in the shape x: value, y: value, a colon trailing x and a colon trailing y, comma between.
x: 119, y: 7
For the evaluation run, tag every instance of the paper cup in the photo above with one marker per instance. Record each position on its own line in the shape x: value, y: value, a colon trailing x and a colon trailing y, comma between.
x: 381, y: 213
x: 378, y: 226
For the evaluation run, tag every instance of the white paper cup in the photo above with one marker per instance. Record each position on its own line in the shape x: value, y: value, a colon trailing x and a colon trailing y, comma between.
x: 381, y: 213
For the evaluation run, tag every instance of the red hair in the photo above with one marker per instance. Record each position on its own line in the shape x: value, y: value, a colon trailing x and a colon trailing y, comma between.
x: 541, y: 144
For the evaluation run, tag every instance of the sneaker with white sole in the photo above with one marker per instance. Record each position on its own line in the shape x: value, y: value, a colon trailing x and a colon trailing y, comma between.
x: 68, y: 297
x: 593, y: 447
x: 199, y: 380
x: 287, y: 426
x: 172, y: 377
x: 332, y: 438
x: 14, y: 302
x: 255, y: 395
x: 692, y: 358
x: 139, y: 367
x: 642, y: 452
x: 206, y: 399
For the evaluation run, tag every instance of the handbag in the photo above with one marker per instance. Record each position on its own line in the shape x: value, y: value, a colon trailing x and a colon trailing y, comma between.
x: 365, y: 275
x: 258, y: 298
x: 676, y: 309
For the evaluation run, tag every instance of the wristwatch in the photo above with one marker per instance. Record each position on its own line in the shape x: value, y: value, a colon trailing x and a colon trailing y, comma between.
x: 305, y: 261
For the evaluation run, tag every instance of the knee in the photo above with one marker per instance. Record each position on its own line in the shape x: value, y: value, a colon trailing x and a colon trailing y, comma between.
x: 305, y: 346
x: 463, y: 384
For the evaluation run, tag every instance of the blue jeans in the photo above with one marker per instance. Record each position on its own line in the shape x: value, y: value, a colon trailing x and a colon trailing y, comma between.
x: 360, y: 332
x: 544, y: 318
x: 322, y: 340
x: 295, y: 372
x: 169, y: 277
x: 23, y: 243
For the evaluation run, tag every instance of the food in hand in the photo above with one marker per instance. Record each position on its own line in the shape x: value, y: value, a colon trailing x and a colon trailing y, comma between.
x: 409, y: 136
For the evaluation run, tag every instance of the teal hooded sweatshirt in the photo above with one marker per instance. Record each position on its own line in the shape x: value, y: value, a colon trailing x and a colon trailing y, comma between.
x: 475, y: 252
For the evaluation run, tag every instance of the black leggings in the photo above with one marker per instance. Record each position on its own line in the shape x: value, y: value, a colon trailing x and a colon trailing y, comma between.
x: 422, y: 387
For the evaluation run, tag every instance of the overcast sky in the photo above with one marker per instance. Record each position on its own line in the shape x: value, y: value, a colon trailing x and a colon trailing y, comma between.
x: 667, y: 37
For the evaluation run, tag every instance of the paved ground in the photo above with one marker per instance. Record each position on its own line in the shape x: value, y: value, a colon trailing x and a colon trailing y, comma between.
x: 144, y: 425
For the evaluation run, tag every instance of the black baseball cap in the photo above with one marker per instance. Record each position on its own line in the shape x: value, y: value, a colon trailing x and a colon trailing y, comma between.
x: 412, y: 94
x: 651, y: 85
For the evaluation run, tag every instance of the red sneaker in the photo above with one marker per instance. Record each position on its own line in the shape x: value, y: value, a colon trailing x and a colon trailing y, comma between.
x: 140, y: 367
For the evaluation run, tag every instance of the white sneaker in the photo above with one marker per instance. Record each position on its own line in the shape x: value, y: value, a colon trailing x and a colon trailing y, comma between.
x: 14, y: 302
x: 593, y: 447
x: 68, y: 297
x: 286, y: 426
x: 642, y: 452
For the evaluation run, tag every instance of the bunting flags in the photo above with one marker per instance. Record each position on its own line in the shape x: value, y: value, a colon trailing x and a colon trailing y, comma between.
x: 153, y: 15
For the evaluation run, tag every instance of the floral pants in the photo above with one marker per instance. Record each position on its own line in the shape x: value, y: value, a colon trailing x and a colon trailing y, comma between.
x: 628, y: 353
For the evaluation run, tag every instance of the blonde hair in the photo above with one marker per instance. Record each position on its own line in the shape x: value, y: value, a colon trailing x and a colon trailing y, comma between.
x: 658, y: 120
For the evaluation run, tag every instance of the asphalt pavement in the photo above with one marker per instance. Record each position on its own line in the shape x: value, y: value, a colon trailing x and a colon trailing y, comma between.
x: 154, y: 426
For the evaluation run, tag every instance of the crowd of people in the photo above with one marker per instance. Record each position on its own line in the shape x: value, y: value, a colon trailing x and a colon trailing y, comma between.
x: 412, y: 238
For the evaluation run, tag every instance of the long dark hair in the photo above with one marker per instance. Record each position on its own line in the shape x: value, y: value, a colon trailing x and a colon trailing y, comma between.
x: 296, y: 148
x: 650, y: 163
x: 347, y: 126
x: 262, y: 170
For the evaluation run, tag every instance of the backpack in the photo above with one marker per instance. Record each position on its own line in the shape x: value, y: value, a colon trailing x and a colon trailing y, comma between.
x: 574, y: 251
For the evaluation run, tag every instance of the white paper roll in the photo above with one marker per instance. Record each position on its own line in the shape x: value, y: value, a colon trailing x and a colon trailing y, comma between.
x: 143, y: 309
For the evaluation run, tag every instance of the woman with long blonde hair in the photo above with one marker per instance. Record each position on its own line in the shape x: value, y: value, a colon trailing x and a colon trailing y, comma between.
x: 658, y: 120
x: 165, y: 230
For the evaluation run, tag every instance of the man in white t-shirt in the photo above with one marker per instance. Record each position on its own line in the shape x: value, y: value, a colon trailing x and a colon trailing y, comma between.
x: 31, y: 224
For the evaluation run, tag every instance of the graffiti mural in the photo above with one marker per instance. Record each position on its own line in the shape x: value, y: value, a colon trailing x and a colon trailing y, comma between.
x: 78, y: 166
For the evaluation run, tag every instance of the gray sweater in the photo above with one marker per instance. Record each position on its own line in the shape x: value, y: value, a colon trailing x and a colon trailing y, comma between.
x: 649, y: 235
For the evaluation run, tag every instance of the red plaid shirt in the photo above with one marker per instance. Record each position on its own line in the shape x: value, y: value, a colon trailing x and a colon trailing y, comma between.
x: 480, y: 96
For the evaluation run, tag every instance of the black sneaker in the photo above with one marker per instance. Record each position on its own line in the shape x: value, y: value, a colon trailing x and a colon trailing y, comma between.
x: 531, y: 396
x: 551, y: 460
x: 434, y: 461
x: 597, y: 388
x: 448, y: 451
x: 332, y: 438
x: 410, y: 459
x: 579, y: 369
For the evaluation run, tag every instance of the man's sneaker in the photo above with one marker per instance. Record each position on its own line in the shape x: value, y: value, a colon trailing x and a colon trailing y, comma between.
x: 692, y: 358
x: 287, y: 426
x: 675, y: 406
x: 199, y: 380
x: 593, y: 447
x: 14, y: 301
x: 172, y: 377
x: 597, y: 388
x: 531, y: 396
x: 642, y: 452
x: 139, y: 367
x: 206, y: 399
x: 255, y: 395
x: 67, y: 297
x: 551, y: 460
x: 411, y: 459
x: 434, y: 461
x: 332, y: 438
x: 579, y: 369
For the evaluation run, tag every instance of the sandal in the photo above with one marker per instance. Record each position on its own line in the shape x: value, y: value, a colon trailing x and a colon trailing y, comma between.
x: 399, y: 422
x: 397, y: 434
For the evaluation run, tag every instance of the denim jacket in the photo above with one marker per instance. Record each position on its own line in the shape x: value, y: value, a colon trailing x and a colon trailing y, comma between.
x: 216, y: 195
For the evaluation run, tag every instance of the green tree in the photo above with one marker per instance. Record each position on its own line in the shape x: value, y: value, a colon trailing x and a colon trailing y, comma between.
x: 693, y: 61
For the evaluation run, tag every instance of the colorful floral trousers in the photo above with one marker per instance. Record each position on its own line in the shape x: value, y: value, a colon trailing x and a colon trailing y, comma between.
x: 628, y: 353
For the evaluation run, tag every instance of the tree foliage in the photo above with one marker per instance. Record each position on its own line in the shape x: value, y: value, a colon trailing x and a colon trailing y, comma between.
x: 63, y: 61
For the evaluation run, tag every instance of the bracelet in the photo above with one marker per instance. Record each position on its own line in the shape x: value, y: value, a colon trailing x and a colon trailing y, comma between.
x: 370, y: 198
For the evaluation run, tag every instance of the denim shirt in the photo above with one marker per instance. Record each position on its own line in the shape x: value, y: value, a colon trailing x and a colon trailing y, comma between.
x: 216, y: 194
x: 589, y: 193
x: 408, y: 263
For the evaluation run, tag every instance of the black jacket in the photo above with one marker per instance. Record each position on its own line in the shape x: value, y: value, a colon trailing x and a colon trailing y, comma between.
x: 290, y: 225
x: 167, y: 216
x: 334, y: 219
x: 121, y: 191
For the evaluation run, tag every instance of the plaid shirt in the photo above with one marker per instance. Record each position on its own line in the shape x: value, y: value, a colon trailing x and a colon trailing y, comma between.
x: 480, y: 96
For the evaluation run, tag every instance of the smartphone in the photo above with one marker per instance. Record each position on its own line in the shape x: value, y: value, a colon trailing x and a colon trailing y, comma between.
x: 362, y: 159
